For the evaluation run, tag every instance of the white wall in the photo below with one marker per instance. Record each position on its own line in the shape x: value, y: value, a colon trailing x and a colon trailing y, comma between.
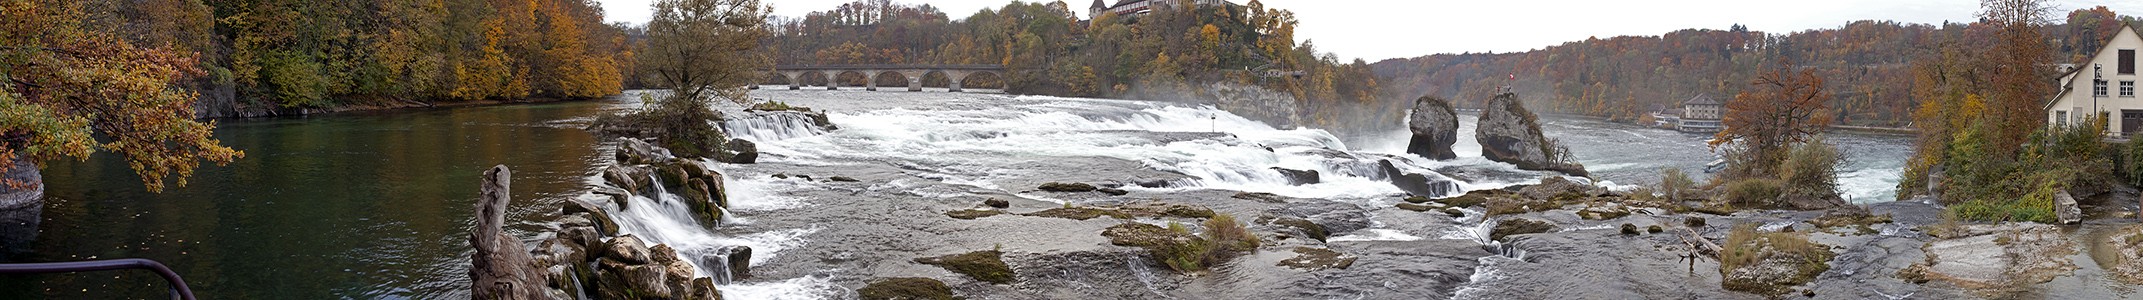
x: 2077, y: 103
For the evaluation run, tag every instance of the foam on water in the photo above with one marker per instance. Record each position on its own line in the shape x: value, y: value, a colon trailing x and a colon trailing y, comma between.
x: 811, y: 287
x: 1375, y: 234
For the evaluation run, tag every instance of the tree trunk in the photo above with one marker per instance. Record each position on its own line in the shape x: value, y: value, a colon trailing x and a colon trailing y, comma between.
x: 501, y: 268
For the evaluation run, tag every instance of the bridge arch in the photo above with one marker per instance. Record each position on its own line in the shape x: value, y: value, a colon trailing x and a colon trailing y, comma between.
x: 810, y: 78
x: 953, y: 77
x: 850, y: 78
x: 978, y: 79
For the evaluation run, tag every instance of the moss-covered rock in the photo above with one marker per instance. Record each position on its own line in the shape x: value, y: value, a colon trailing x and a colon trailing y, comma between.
x: 1415, y: 207
x: 1629, y: 229
x: 906, y: 288
x: 1454, y: 212
x: 1141, y: 235
x: 971, y: 214
x: 1416, y: 199
x: 1078, y: 213
x: 1654, y: 229
x: 1308, y: 229
x: 1260, y: 197
x: 987, y: 266
x: 997, y: 203
x: 1060, y: 187
x: 1770, y: 263
x: 1693, y: 222
x: 1475, y: 198
x: 1517, y: 226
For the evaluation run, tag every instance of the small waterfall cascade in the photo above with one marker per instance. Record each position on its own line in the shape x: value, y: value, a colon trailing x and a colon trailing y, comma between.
x: 772, y: 126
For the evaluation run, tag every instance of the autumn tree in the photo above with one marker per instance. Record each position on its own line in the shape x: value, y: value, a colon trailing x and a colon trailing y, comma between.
x: 2019, y: 64
x: 1786, y: 106
x: 701, y: 48
x: 62, y: 81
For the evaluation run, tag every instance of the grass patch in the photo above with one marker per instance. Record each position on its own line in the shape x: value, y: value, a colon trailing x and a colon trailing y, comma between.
x: 1753, y: 192
x: 987, y: 266
x: 1747, y: 248
x: 1180, y: 250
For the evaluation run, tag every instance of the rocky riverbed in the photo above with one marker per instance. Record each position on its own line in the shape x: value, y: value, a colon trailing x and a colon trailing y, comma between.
x: 1000, y: 197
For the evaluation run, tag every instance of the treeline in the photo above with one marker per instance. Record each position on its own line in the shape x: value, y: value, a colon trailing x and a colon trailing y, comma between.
x: 1867, y: 65
x: 1163, y: 54
x: 292, y: 53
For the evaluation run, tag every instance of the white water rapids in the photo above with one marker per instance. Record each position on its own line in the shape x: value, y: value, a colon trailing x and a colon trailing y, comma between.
x: 976, y: 140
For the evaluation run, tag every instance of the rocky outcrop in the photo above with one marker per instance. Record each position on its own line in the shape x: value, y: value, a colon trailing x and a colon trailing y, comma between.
x: 1435, y: 127
x: 737, y: 151
x: 1299, y: 177
x: 2000, y: 257
x: 1509, y: 133
x: 629, y: 269
x: 500, y: 269
x: 906, y: 288
x: 20, y: 208
x: 1416, y: 184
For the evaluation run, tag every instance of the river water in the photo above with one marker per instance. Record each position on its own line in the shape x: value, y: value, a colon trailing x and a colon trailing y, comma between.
x: 360, y: 206
x: 378, y: 205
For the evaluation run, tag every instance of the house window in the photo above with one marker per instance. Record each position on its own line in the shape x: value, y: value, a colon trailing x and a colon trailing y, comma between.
x: 2127, y: 63
x: 2061, y: 117
x: 2128, y: 88
x: 2098, y: 88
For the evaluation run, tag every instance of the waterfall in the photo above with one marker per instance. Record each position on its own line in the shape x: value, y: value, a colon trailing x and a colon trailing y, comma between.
x: 772, y: 126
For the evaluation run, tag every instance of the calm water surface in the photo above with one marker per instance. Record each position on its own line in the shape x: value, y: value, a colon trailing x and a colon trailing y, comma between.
x: 341, y: 206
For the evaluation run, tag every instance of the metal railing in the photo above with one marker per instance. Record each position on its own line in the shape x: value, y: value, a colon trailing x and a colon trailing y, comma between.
x: 178, y: 286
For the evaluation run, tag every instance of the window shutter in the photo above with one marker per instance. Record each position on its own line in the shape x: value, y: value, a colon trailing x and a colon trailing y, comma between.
x: 2127, y: 62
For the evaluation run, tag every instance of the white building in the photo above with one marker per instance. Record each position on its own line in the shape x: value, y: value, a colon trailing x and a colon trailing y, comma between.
x: 2106, y: 83
x: 1700, y: 114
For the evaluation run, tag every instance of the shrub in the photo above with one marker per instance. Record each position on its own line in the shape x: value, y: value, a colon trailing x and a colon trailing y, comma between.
x: 1753, y: 192
x: 1675, y: 185
x: 2132, y: 160
x: 1810, y: 171
x: 1224, y: 238
x: 678, y: 123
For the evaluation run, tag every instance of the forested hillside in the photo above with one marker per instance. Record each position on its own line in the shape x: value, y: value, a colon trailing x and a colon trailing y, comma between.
x: 299, y: 54
x: 1870, y: 66
x: 1050, y: 51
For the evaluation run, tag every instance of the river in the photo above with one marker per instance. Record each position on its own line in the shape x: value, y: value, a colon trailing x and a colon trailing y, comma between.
x: 378, y: 205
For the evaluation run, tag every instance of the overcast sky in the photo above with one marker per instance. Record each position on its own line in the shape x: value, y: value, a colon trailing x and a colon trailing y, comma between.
x: 1376, y: 30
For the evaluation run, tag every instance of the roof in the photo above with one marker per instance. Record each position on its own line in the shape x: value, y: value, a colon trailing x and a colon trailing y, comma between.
x: 2067, y: 79
x: 1701, y: 99
x: 1100, y: 4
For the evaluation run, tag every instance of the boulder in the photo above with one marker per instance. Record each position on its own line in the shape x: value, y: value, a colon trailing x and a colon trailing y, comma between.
x: 1553, y: 187
x: 627, y: 249
x: 22, y: 171
x: 500, y: 269
x: 638, y: 152
x: 1435, y: 127
x: 738, y: 258
x: 1517, y: 226
x: 600, y: 219
x: 700, y: 197
x: 1416, y: 184
x: 738, y: 151
x: 1509, y: 133
x: 1298, y: 177
x: 906, y: 288
x: 997, y: 203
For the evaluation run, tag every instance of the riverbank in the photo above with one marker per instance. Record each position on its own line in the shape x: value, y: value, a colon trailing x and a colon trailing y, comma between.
x: 369, y: 106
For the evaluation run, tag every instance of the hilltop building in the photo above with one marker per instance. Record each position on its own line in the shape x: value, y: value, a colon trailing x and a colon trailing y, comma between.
x: 1700, y: 114
x: 2105, y: 84
x: 1135, y: 7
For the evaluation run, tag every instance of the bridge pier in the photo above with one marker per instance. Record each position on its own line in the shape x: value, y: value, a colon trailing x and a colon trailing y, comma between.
x: 870, y: 80
x: 795, y: 78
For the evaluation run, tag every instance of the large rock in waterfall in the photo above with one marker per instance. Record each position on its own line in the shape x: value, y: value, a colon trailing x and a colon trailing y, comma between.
x: 1435, y: 127
x: 1509, y: 133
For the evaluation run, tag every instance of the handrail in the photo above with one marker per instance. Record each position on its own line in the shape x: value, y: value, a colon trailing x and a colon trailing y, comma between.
x: 178, y: 286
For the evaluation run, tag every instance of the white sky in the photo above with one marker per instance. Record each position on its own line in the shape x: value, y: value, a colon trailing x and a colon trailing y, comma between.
x: 1381, y: 29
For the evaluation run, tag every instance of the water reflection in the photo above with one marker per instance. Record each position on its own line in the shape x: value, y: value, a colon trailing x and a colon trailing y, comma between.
x: 344, y: 206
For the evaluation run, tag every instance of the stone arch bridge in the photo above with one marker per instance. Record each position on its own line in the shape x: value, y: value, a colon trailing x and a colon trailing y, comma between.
x: 914, y: 73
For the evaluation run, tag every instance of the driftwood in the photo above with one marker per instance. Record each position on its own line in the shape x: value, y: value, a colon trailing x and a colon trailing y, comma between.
x: 1701, y: 245
x: 501, y: 269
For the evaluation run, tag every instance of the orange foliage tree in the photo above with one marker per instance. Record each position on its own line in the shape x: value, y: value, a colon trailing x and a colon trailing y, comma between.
x: 1785, y: 106
x: 61, y: 82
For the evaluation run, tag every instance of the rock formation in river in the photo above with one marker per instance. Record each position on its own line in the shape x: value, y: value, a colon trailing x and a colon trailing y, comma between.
x: 1511, y: 134
x: 20, y: 209
x: 501, y: 269
x: 1435, y: 128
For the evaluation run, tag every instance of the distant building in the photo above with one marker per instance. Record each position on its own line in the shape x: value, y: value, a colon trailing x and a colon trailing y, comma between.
x: 1700, y: 114
x: 2106, y: 83
x: 1134, y: 7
